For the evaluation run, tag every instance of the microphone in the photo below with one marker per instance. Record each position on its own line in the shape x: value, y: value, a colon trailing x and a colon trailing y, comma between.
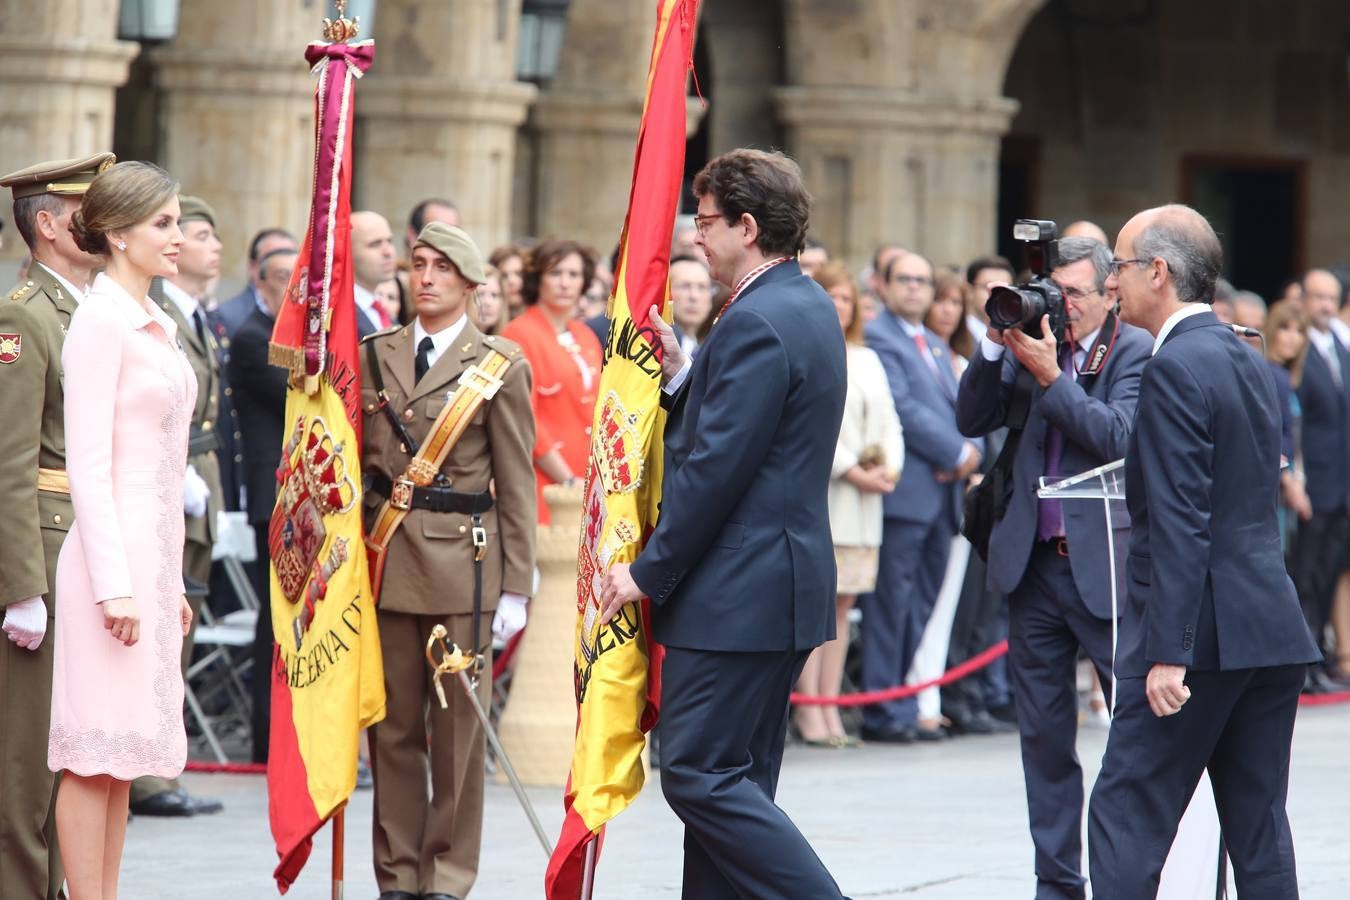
x: 1245, y: 332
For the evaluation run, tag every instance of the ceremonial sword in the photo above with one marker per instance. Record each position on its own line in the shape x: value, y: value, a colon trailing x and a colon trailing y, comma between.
x: 460, y: 664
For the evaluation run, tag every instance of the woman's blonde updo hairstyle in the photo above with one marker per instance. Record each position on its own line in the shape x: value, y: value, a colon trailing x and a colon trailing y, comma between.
x: 122, y: 196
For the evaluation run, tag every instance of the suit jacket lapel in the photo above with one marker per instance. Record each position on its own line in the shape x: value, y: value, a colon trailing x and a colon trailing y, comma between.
x: 456, y: 358
x: 397, y: 358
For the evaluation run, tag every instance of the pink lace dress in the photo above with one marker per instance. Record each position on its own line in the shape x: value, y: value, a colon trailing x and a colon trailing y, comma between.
x: 129, y: 392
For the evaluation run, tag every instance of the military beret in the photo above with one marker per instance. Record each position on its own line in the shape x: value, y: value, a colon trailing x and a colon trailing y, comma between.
x: 195, y: 209
x: 455, y: 244
x: 69, y: 177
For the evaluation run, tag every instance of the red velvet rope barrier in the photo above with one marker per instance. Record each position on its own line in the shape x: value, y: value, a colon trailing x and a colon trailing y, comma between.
x: 503, y: 659
x: 1324, y: 699
x: 956, y: 673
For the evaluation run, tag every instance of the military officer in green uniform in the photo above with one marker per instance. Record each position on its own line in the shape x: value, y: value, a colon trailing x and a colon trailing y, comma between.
x: 181, y: 297
x: 35, y: 509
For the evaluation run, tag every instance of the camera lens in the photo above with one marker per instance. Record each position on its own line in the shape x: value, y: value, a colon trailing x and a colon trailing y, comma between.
x: 1011, y: 307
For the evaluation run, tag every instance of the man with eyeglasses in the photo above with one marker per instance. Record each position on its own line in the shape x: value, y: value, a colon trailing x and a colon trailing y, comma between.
x: 1213, y: 646
x: 921, y: 514
x: 1322, y: 546
x: 1049, y: 557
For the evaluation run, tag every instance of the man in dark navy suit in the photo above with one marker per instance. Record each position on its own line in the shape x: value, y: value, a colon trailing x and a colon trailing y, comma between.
x: 922, y: 513
x: 740, y: 569
x: 1213, y: 645
x: 1051, y: 558
x: 1321, y: 548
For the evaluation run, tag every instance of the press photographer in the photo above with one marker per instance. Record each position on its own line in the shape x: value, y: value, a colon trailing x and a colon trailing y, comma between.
x: 1062, y: 373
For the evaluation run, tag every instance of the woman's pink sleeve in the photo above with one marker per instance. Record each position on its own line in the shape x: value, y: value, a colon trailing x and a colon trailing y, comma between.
x: 92, y: 359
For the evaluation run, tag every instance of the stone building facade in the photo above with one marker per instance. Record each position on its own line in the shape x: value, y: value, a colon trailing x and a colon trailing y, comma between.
x: 924, y: 122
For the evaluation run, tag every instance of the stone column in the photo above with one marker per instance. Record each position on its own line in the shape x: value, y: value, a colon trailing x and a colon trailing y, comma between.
x: 587, y: 122
x: 895, y: 113
x: 885, y: 165
x: 60, y: 67
x: 439, y: 112
x: 238, y: 115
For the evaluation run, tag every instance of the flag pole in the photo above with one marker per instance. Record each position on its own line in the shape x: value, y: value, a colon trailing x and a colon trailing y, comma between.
x: 588, y: 870
x: 339, y: 844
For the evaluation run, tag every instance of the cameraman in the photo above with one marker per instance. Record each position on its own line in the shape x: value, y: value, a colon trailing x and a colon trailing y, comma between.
x: 1051, y: 558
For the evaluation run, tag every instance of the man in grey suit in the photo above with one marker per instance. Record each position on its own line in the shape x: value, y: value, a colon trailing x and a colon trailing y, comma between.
x: 921, y: 515
x: 1049, y: 557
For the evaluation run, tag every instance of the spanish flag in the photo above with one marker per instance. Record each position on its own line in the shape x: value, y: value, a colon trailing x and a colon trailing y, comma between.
x: 327, y: 675
x: 617, y: 666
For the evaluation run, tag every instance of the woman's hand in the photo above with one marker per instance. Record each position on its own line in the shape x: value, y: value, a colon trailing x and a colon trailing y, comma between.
x: 185, y: 614
x: 870, y: 480
x: 121, y: 617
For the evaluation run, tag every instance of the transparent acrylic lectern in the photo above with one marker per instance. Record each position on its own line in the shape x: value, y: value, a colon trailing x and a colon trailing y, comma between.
x: 1103, y: 484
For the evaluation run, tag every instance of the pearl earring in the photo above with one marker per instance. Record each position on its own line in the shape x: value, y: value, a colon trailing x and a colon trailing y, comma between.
x: 120, y: 245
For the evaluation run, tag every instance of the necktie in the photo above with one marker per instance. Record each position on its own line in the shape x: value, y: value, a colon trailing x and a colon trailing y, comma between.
x: 383, y: 316
x: 1333, y: 361
x: 199, y: 322
x: 922, y: 343
x: 423, y: 361
x: 1049, y: 513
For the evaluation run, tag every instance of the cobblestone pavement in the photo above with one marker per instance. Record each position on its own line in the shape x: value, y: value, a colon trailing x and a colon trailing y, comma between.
x: 932, y: 822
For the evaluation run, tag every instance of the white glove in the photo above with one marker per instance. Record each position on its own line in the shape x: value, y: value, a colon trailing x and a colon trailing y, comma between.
x: 512, y: 610
x: 26, y: 622
x: 195, y: 493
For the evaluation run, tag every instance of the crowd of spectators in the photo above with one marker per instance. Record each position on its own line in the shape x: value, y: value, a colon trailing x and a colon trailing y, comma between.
x: 912, y: 596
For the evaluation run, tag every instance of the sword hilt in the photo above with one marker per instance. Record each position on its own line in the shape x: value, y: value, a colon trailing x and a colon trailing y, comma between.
x: 452, y: 661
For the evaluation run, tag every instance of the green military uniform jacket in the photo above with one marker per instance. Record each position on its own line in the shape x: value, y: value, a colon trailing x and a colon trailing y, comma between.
x: 34, y: 317
x: 203, y: 355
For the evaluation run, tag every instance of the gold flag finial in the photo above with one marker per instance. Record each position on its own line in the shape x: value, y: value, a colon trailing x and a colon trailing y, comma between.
x: 341, y: 30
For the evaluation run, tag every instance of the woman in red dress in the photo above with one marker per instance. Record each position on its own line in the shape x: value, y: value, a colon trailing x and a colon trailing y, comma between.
x: 564, y: 358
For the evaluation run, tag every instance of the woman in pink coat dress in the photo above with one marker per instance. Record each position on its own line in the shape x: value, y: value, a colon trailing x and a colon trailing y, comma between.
x: 117, y: 691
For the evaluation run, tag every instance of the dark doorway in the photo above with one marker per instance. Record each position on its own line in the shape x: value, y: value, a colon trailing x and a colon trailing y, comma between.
x: 1018, y: 168
x: 1257, y: 207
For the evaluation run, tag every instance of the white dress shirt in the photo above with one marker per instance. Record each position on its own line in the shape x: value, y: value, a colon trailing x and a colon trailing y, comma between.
x: 1341, y: 329
x: 186, y: 303
x: 440, y: 341
x: 76, y: 294
x: 1190, y: 309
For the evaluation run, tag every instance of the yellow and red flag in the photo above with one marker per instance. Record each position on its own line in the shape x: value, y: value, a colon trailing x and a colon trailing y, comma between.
x: 617, y: 668
x: 327, y: 675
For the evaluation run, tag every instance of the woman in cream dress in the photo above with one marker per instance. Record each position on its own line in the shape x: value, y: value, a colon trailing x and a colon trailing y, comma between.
x: 117, y: 690
x: 867, y: 463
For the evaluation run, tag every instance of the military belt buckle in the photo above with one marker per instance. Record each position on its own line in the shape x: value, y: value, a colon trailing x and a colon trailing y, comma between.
x: 401, y: 495
x: 475, y: 378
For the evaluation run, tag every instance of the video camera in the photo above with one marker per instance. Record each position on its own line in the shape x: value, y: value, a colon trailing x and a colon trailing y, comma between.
x: 1023, y: 305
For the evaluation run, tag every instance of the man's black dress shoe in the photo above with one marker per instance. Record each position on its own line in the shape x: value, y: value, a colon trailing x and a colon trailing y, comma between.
x: 929, y: 734
x: 169, y: 804
x: 1005, y: 713
x: 439, y: 897
x: 883, y: 736
x: 204, y: 806
x: 397, y: 895
x: 979, y: 723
